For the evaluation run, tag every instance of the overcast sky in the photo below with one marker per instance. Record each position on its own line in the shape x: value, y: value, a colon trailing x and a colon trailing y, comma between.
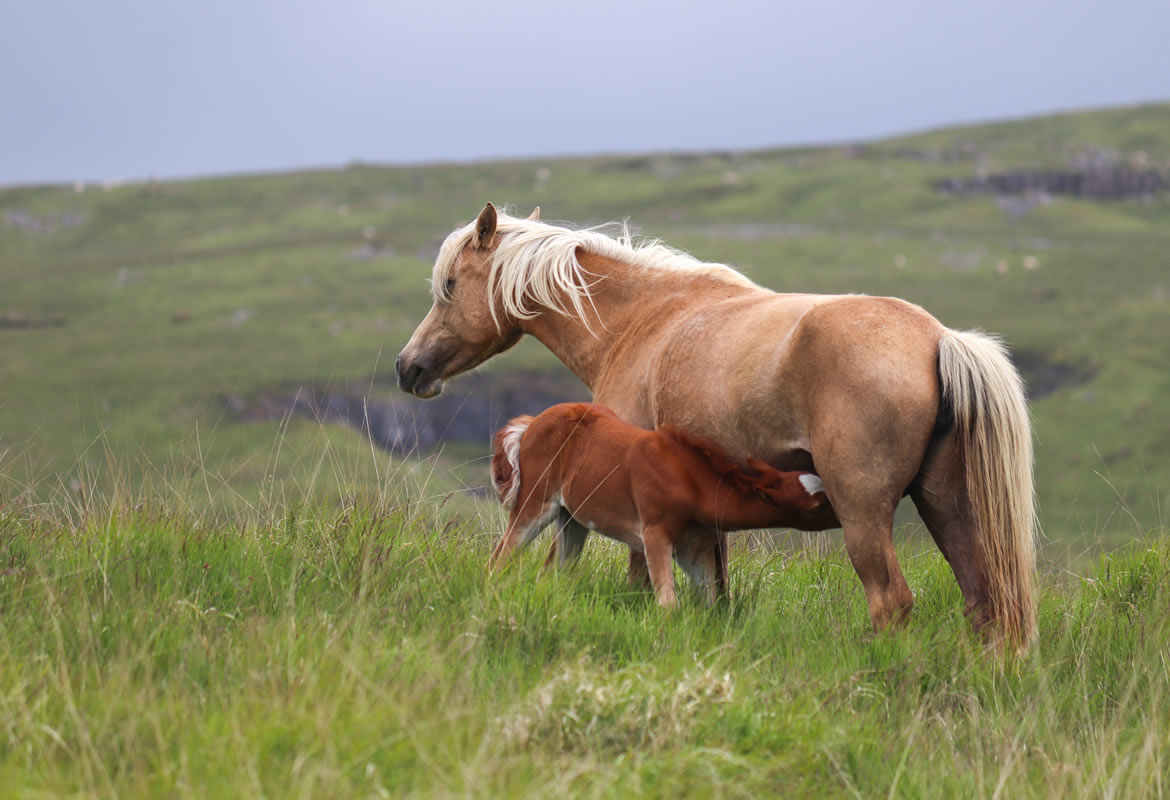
x: 117, y: 89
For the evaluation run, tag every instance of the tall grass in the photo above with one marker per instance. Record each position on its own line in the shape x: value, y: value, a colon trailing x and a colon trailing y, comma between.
x: 358, y: 648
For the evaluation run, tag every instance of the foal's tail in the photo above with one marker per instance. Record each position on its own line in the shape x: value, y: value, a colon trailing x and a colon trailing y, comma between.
x: 506, y: 459
x: 986, y: 395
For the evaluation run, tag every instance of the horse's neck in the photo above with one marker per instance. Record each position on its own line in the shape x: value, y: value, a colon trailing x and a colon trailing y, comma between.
x: 622, y: 296
x: 580, y: 349
x: 583, y: 345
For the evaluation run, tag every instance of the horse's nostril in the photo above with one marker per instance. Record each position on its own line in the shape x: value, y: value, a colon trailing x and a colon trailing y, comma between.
x: 408, y: 379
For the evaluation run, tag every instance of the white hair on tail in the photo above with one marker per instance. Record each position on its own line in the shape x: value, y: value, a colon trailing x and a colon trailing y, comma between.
x: 535, y: 267
x: 510, y: 442
x: 994, y: 433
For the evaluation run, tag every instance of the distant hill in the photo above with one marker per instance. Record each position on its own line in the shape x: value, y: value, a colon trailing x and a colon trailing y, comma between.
x: 161, y: 332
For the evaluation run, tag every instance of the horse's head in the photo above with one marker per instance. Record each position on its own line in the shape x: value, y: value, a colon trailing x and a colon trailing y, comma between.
x: 465, y: 325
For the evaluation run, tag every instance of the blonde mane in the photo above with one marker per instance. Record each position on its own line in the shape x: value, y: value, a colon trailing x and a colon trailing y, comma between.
x: 535, y: 268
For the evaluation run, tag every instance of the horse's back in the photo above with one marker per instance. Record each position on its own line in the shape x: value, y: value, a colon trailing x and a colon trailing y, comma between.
x: 789, y: 360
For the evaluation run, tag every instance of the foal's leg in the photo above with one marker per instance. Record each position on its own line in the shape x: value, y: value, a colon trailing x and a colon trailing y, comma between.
x: 940, y: 493
x: 638, y: 573
x: 523, y: 526
x: 569, y: 541
x: 659, y: 547
x: 567, y: 547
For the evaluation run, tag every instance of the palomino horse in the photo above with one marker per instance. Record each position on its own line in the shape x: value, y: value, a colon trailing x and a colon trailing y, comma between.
x: 872, y: 393
x: 660, y: 492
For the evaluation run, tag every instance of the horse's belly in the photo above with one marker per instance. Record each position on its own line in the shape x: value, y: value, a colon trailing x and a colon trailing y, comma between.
x: 632, y: 537
x: 603, y: 505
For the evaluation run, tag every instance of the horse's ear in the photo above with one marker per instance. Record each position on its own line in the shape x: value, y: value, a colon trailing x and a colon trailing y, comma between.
x: 535, y: 215
x: 485, y: 227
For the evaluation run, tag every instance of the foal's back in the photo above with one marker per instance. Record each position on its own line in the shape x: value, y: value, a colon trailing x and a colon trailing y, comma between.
x: 613, y: 474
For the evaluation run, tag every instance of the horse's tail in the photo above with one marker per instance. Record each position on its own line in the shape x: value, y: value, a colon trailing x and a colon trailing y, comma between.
x: 986, y: 395
x: 506, y: 459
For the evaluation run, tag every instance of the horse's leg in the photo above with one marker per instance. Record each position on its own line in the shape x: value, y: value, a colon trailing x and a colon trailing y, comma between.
x: 689, y: 555
x: 659, y: 548
x: 865, y: 509
x: 700, y: 556
x: 940, y: 493
x: 870, y: 544
x: 867, y: 453
x: 722, y: 583
x: 569, y: 541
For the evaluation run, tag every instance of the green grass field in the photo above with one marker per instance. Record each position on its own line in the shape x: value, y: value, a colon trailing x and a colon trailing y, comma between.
x: 157, y: 300
x: 362, y: 651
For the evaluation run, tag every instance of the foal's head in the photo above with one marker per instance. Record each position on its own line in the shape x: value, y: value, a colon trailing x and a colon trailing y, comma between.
x: 802, y: 492
x: 465, y: 326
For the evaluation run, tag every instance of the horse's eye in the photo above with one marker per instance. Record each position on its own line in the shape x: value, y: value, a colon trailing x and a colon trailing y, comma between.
x: 450, y: 285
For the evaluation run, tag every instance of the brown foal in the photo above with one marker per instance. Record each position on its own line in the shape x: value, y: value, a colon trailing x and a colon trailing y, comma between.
x: 660, y: 492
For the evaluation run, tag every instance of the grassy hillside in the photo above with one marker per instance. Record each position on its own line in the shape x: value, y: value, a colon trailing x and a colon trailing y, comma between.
x: 129, y: 313
x: 362, y: 651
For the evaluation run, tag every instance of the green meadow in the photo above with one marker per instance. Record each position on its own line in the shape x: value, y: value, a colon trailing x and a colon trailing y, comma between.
x: 363, y: 651
x: 200, y: 602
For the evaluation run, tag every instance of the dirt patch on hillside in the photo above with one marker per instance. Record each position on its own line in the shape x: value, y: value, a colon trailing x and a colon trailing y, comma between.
x: 44, y: 223
x: 1044, y: 376
x: 469, y: 411
x: 751, y: 231
x: 17, y: 320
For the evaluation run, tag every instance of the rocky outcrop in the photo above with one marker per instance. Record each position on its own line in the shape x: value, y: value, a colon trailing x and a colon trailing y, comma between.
x: 1099, y: 184
x: 470, y: 410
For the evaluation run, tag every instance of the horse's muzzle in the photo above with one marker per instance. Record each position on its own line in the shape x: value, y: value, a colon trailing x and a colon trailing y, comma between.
x: 417, y: 378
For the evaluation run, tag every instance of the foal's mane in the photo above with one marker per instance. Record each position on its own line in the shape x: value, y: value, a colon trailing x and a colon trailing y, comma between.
x: 746, y: 480
x: 535, y: 264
